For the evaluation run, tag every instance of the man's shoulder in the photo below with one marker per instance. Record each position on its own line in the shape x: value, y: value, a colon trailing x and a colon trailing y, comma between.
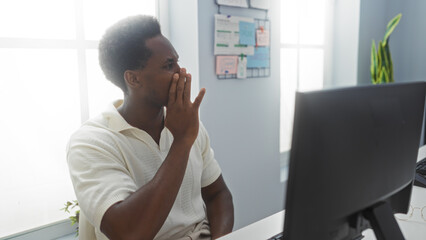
x: 203, y: 137
x: 93, y: 130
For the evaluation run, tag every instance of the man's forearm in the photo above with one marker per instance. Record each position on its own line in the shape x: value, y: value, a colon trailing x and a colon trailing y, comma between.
x: 220, y: 213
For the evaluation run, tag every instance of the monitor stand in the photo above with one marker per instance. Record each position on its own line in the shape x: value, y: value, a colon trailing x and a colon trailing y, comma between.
x: 383, y: 222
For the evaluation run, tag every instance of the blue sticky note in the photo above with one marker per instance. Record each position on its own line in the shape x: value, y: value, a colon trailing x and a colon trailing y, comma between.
x: 260, y: 58
x: 247, y: 33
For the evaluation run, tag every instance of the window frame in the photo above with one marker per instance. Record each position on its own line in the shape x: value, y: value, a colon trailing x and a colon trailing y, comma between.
x: 54, y: 230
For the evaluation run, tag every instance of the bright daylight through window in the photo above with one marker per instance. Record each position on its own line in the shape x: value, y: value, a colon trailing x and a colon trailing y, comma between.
x: 303, y: 30
x: 50, y: 81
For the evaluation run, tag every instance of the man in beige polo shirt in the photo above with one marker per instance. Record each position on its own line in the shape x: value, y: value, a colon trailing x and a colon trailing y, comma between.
x: 144, y: 168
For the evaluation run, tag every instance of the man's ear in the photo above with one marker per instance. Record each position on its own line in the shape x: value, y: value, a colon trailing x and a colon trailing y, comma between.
x: 132, y: 79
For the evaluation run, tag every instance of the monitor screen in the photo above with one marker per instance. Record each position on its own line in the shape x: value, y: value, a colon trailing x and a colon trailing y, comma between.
x: 352, y: 160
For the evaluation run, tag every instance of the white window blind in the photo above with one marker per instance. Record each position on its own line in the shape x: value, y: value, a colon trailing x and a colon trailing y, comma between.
x: 50, y: 82
x: 303, y: 30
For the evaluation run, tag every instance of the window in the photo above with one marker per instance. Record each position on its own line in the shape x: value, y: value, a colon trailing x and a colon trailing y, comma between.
x: 303, y: 31
x: 50, y: 82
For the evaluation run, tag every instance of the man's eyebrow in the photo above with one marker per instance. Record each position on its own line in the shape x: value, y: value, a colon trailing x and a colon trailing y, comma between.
x: 171, y: 59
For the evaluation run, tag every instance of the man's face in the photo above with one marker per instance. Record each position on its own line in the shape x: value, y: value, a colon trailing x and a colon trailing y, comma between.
x: 158, y: 71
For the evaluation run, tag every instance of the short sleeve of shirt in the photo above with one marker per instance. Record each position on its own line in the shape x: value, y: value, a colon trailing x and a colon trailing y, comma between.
x: 99, y: 177
x: 211, y: 168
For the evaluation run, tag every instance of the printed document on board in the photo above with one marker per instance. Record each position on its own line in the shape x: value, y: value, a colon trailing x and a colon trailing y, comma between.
x: 227, y: 36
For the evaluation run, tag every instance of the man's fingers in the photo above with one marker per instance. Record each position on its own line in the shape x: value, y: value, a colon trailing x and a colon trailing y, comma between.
x: 180, y: 85
x: 199, y: 98
x: 187, y: 91
x: 172, y: 90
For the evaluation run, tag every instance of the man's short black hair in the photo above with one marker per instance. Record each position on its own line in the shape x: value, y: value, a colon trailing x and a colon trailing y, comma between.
x: 123, y: 47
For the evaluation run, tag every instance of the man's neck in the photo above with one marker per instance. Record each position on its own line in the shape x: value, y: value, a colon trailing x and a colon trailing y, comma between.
x: 143, y: 116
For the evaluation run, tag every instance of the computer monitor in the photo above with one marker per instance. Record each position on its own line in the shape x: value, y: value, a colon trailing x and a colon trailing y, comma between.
x: 352, y: 160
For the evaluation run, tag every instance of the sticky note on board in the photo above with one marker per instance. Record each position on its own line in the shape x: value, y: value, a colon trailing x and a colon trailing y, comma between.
x: 226, y: 65
x: 262, y: 37
x: 247, y: 33
x: 260, y: 59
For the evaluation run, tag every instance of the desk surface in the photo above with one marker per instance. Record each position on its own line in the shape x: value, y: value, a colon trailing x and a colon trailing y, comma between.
x: 415, y: 229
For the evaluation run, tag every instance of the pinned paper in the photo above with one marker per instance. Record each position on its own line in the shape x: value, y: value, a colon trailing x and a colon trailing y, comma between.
x: 247, y: 33
x: 262, y: 37
x: 226, y: 65
x: 227, y: 36
x: 242, y: 67
x: 262, y: 4
x: 260, y: 59
x: 234, y: 3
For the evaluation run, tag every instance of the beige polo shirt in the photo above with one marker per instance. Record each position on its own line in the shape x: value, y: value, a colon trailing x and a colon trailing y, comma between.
x: 108, y: 160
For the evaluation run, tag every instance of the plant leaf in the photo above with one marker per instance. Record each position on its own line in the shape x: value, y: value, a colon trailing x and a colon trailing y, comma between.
x: 385, y: 60
x: 391, y: 26
x: 379, y: 79
x: 373, y: 67
x: 379, y: 62
x: 385, y: 77
x: 390, y: 63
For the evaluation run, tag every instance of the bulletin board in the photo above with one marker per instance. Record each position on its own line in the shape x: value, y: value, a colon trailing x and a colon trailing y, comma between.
x: 241, y: 46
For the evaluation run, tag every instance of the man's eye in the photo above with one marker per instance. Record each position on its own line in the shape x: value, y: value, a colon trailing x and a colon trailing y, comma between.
x: 169, y: 66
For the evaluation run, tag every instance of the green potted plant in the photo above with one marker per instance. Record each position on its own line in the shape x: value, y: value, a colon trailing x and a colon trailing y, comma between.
x: 381, y: 60
x: 74, y: 218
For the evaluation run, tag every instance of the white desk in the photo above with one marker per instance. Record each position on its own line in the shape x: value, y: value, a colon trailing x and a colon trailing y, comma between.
x: 415, y: 229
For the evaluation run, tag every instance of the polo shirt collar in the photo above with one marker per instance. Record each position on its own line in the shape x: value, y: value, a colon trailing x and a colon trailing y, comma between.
x: 115, y: 121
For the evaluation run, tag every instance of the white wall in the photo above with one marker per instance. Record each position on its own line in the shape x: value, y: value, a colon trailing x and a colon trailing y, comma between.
x: 182, y: 32
x: 344, y: 45
x: 242, y: 117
